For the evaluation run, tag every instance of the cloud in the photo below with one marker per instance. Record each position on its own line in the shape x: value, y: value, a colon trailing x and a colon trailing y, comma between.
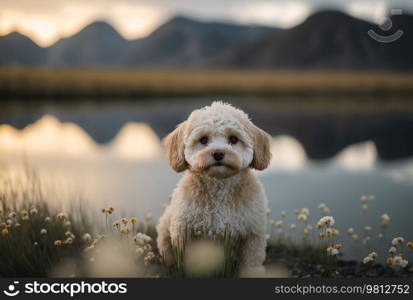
x: 365, y: 10
x: 46, y: 24
x: 282, y: 14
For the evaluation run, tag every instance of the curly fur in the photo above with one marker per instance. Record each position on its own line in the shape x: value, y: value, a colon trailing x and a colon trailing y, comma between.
x: 211, y: 198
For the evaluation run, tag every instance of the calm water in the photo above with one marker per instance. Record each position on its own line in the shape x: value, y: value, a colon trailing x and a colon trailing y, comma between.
x: 322, y: 128
x: 110, y: 153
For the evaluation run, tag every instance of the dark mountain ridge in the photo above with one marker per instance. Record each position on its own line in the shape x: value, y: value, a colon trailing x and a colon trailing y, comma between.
x: 325, y: 40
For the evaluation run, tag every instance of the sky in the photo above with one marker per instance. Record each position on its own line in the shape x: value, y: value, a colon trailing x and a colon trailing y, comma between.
x: 45, y: 21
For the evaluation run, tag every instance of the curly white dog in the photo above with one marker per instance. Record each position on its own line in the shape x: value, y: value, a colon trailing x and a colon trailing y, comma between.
x: 217, y: 146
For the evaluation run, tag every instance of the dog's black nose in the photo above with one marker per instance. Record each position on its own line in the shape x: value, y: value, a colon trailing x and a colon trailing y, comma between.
x: 218, y: 156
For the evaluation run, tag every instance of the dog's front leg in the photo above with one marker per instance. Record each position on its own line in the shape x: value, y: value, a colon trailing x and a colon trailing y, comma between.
x: 164, y: 238
x: 253, y: 254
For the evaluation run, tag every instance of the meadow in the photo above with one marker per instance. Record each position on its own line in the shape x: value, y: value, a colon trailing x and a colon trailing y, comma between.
x: 127, y: 83
x: 38, y: 238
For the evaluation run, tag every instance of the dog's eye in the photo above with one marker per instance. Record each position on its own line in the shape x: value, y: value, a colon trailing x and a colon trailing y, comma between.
x: 233, y: 140
x: 203, y: 140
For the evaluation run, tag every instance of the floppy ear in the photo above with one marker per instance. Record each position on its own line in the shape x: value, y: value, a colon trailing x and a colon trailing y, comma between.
x: 262, y: 154
x: 174, y: 145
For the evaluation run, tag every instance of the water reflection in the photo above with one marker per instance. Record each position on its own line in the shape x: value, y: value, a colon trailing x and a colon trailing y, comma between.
x: 130, y: 172
x: 362, y: 156
x: 324, y: 127
x: 48, y: 136
x: 137, y: 141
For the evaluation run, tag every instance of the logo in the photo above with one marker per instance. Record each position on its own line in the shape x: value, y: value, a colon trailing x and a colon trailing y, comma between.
x: 386, y: 25
x: 11, y: 292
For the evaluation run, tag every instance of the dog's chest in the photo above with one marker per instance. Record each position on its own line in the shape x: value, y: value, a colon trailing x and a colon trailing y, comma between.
x: 223, y: 214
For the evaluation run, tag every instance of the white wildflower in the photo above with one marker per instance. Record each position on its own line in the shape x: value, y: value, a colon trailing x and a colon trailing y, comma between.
x: 87, y: 237
x: 397, y: 241
x: 332, y: 251
x: 366, y: 240
x: 367, y: 228
x: 277, y: 223
x: 326, y: 221
x: 142, y: 238
x: 61, y: 216
x: 302, y: 217
x: 392, y: 250
x: 139, y: 250
x: 384, y: 220
x: 125, y: 230
x: 367, y: 259
x: 403, y: 264
x: 397, y: 260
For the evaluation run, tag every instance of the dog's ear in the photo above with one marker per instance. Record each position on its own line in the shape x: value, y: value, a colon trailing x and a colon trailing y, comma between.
x: 174, y: 145
x: 262, y: 154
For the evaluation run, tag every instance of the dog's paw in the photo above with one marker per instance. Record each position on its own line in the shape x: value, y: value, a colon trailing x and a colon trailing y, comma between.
x: 167, y: 259
x: 251, y: 272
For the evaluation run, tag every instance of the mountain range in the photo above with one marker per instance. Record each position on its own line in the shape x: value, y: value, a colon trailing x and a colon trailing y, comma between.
x: 325, y: 40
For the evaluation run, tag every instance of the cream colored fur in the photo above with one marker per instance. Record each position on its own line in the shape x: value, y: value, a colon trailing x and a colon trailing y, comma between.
x: 213, y: 199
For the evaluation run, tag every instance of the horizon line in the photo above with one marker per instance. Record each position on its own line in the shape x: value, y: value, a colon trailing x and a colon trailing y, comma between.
x: 186, y: 16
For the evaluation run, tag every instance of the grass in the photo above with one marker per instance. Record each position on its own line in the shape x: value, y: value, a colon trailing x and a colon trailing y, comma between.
x: 37, y: 240
x: 29, y: 229
x: 198, y: 246
x: 127, y: 83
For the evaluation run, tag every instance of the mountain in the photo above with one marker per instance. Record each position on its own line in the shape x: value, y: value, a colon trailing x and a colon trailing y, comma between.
x: 17, y: 49
x: 183, y: 42
x: 325, y: 40
x: 398, y: 54
x: 98, y: 44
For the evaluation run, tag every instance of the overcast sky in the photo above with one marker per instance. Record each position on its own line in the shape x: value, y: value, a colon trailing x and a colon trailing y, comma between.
x: 47, y: 20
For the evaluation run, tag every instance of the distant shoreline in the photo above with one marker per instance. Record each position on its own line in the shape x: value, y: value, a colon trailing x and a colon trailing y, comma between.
x: 71, y: 83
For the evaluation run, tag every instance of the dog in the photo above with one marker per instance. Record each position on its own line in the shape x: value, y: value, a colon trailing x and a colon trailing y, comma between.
x: 217, y: 147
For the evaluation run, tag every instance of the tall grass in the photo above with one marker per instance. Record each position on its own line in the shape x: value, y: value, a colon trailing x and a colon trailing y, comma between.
x: 126, y: 83
x: 200, y: 246
x: 33, y: 236
x: 39, y: 239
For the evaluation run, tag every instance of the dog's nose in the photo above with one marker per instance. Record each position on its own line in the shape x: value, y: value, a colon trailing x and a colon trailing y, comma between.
x: 218, y: 156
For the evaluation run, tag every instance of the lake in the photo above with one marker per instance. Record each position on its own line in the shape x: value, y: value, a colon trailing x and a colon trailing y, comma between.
x: 110, y: 154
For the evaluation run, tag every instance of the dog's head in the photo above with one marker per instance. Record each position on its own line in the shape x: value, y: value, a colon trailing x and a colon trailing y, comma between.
x: 218, y: 141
